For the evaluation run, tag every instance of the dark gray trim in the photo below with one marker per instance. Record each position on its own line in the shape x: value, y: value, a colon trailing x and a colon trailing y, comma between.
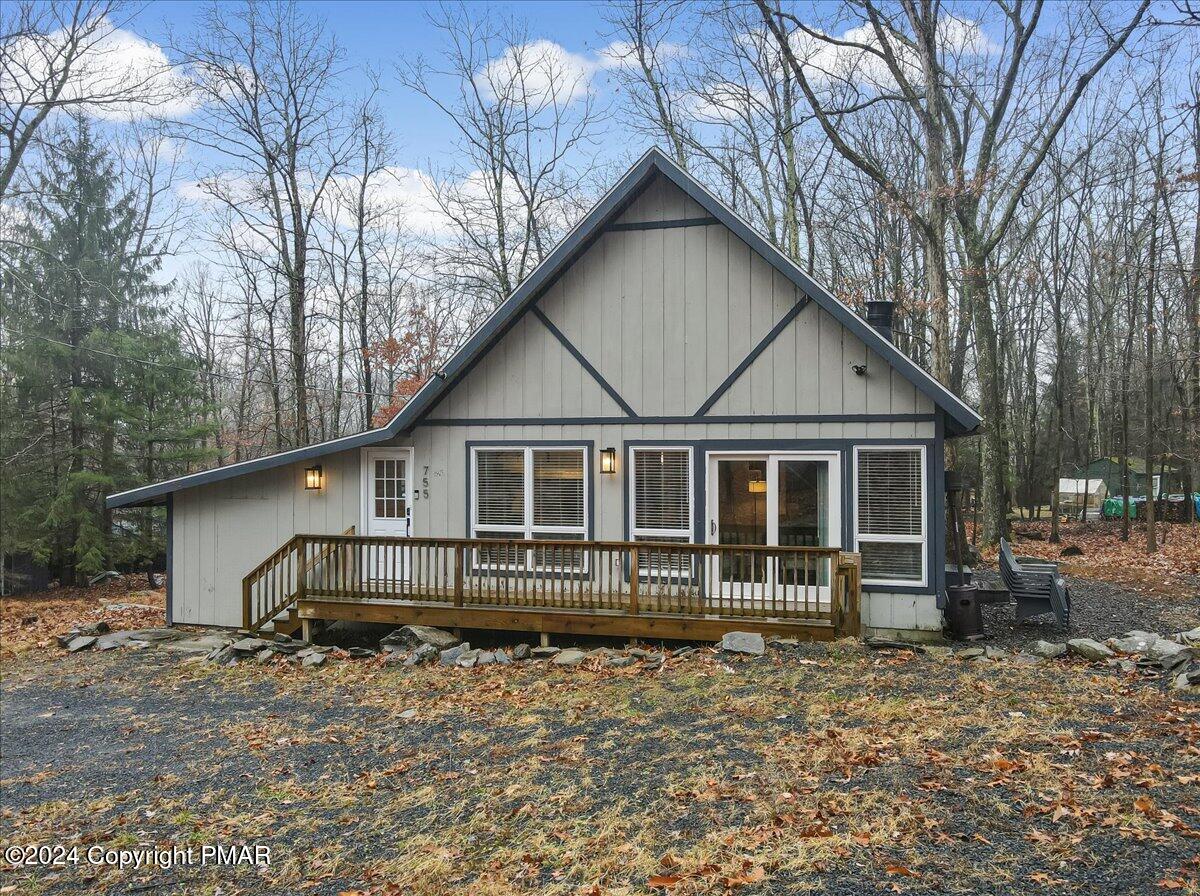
x: 750, y: 358
x: 845, y: 448
x: 937, y: 472
x: 661, y: 421
x: 590, y: 471
x: 662, y: 225
x: 584, y: 362
x: 960, y: 418
x: 965, y: 419
x: 148, y: 494
x: 170, y: 557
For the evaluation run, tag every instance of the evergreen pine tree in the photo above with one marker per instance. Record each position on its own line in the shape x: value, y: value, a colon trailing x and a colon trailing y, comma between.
x: 79, y: 304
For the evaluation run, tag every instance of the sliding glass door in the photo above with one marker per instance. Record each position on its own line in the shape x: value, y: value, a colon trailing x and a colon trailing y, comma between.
x: 774, y: 500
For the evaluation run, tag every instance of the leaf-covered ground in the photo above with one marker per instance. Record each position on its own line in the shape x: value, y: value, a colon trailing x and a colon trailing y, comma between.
x: 817, y: 769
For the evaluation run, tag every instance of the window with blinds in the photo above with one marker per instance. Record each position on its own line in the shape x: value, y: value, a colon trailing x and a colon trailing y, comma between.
x: 890, y: 514
x: 661, y: 506
x: 530, y: 493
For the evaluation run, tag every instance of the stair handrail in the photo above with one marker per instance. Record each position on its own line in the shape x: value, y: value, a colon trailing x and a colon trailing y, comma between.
x: 290, y: 592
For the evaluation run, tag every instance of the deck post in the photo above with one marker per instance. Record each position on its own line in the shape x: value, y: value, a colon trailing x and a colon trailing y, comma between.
x: 246, y: 620
x: 301, y: 567
x: 458, y: 577
x: 544, y: 639
x: 306, y: 630
x: 633, y: 581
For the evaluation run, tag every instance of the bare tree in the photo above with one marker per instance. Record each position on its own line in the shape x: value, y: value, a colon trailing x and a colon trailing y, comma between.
x: 268, y: 75
x: 60, y: 55
x: 525, y: 115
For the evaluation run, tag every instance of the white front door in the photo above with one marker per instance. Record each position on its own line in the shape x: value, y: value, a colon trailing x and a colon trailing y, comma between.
x: 790, y: 499
x: 387, y: 510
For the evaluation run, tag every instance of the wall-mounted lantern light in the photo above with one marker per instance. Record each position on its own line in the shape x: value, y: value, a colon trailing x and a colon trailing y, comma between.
x: 313, y: 478
x: 608, y: 460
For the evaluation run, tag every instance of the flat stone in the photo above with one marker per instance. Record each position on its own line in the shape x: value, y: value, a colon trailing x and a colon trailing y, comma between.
x: 289, y: 647
x: 1131, y: 644
x: 95, y: 628
x: 221, y: 656
x: 995, y: 653
x: 360, y: 653
x: 188, y: 646
x: 1191, y: 637
x: 413, y: 635
x: 502, y: 658
x: 1089, y: 649
x: 155, y: 634
x: 450, y: 655
x: 65, y: 639
x: 572, y: 656
x: 750, y: 643
x: 521, y: 652
x: 468, y: 659
x: 83, y: 642
x: 486, y: 658
x: 265, y: 655
x: 1028, y: 659
x: 684, y: 651
x: 1186, y: 680
x: 785, y: 642
x: 314, y: 660
x: 1047, y: 649
x: 281, y: 638
x: 1162, y: 648
x: 970, y: 653
x: 408, y: 714
x: 620, y: 662
x: 110, y: 642
x: 638, y: 652
x: 1177, y: 660
x: 543, y: 653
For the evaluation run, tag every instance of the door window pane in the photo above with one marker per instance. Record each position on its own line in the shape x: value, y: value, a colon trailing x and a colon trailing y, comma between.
x: 742, y: 517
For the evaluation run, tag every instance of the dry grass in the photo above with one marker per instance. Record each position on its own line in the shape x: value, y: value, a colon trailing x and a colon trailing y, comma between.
x: 818, y: 770
x: 1172, y: 571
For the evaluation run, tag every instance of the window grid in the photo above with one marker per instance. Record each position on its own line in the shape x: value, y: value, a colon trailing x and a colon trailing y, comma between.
x: 890, y: 513
x: 661, y: 506
x: 530, y: 493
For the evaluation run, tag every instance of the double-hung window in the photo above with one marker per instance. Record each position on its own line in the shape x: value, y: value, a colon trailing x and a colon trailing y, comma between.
x: 890, y: 529
x: 530, y: 493
x: 660, y: 493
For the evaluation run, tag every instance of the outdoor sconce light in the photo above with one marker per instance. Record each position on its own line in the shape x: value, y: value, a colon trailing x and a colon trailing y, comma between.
x: 313, y: 478
x: 608, y: 460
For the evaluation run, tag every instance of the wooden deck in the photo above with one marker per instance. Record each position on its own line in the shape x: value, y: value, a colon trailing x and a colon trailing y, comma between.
x: 687, y: 591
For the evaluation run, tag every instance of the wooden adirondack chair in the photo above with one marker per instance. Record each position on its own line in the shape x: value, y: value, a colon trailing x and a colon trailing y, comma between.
x: 1035, y: 585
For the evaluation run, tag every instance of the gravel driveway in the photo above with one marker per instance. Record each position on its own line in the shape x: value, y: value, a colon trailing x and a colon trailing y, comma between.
x: 822, y: 769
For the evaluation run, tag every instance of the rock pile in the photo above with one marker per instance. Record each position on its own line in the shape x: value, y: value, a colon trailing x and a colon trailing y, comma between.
x: 1175, y: 657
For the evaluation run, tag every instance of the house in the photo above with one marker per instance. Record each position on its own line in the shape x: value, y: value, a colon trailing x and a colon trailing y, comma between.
x: 1109, y: 470
x: 666, y: 394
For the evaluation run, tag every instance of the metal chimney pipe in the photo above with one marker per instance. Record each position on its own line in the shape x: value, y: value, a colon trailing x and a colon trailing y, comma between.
x: 879, y: 315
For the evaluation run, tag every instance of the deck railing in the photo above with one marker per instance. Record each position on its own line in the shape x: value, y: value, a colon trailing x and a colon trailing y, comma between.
x: 785, y: 583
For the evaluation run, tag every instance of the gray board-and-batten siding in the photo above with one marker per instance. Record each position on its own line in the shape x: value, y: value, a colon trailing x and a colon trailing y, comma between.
x: 681, y: 333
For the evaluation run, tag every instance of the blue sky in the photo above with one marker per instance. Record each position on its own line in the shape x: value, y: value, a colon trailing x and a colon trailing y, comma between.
x: 380, y: 34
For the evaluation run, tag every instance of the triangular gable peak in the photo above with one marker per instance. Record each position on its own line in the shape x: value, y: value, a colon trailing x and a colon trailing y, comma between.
x: 642, y: 334
x: 667, y: 313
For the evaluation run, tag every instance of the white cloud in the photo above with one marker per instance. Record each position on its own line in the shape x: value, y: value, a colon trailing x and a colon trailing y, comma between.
x: 828, y: 61
x: 538, y: 72
x: 622, y: 54
x: 127, y: 76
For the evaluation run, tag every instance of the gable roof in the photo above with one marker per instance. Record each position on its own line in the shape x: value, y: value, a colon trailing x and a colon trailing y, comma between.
x: 960, y: 418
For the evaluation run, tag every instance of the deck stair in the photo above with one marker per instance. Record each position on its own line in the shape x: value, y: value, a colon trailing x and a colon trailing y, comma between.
x: 1035, y: 585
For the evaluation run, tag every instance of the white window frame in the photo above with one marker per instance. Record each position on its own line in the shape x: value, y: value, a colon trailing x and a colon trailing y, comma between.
x: 645, y: 570
x: 529, y: 531
x: 651, y: 534
x: 922, y: 539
